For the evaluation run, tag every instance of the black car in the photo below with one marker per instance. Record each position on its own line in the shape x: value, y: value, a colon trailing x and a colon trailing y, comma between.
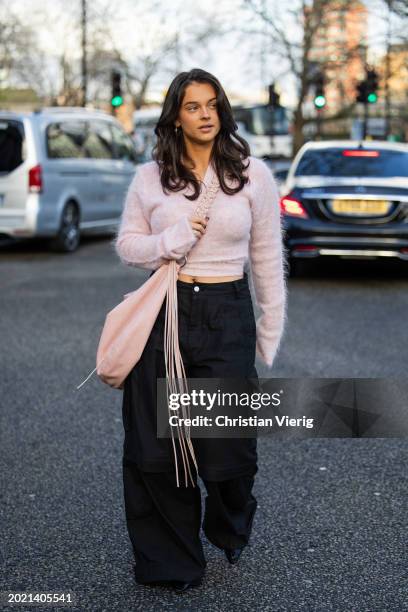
x: 347, y: 199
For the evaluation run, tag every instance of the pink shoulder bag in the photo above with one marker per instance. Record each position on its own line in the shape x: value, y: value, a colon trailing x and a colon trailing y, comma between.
x: 128, y: 326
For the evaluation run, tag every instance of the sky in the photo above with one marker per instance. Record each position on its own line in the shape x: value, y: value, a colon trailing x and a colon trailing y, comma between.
x: 242, y: 63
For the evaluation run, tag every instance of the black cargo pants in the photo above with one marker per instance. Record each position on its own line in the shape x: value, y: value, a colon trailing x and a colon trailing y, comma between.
x: 217, y: 336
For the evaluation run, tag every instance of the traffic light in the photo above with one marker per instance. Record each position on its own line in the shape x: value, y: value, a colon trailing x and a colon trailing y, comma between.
x: 362, y: 92
x: 274, y: 97
x: 116, y: 95
x: 319, y: 98
x: 367, y: 90
x: 372, y: 86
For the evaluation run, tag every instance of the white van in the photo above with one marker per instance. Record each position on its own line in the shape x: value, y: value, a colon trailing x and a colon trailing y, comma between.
x: 63, y: 172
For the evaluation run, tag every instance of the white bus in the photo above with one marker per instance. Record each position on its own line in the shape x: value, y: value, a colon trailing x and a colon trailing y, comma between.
x: 266, y: 129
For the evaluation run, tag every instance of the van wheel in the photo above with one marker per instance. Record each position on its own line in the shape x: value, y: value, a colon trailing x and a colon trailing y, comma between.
x: 68, y: 237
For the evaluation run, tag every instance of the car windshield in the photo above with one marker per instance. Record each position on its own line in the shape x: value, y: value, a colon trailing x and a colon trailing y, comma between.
x: 353, y: 162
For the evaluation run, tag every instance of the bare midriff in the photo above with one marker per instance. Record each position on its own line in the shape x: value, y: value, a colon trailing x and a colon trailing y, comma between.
x: 186, y: 278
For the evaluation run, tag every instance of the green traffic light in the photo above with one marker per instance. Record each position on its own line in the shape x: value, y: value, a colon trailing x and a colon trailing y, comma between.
x: 320, y: 101
x: 117, y: 101
x: 372, y: 98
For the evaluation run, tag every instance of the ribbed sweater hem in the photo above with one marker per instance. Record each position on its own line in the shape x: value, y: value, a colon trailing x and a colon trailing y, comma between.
x: 212, y: 269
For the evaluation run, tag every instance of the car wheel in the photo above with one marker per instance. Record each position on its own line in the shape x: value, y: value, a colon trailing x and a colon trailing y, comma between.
x: 68, y: 237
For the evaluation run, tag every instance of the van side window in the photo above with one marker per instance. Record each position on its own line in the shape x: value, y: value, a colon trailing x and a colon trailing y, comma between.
x: 123, y: 144
x: 65, y: 139
x: 99, y: 142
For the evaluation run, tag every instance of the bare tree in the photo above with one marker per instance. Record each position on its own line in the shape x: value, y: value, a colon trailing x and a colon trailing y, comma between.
x: 158, y: 51
x: 294, y: 35
x: 161, y: 60
x: 400, y: 7
x: 20, y: 57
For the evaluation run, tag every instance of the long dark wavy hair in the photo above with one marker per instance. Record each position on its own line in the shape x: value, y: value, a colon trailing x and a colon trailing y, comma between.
x: 227, y: 155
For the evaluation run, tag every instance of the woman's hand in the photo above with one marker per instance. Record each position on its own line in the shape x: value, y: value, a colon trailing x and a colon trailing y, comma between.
x: 198, y: 225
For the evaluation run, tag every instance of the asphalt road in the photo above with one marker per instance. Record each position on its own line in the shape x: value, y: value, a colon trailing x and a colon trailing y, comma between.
x: 330, y: 531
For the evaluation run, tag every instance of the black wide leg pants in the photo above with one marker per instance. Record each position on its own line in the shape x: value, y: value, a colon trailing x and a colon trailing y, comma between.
x: 217, y: 336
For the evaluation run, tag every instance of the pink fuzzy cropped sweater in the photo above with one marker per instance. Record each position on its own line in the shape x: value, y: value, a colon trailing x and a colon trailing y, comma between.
x: 155, y: 227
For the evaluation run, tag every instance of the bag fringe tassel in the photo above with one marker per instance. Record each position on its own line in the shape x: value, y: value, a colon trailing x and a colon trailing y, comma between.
x: 176, y: 380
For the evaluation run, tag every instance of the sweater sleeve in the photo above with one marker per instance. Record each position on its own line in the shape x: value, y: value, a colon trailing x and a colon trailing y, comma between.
x: 134, y: 242
x: 267, y: 262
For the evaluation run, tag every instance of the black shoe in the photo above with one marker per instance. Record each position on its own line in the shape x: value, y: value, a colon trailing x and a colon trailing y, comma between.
x: 181, y: 587
x: 233, y: 554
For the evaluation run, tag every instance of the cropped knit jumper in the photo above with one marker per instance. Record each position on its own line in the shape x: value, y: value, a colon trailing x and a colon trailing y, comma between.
x: 245, y: 227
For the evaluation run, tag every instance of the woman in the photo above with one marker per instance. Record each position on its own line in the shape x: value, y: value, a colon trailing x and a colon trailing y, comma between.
x: 218, y: 336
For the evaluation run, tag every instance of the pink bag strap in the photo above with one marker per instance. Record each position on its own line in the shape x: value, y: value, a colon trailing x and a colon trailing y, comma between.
x: 176, y: 380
